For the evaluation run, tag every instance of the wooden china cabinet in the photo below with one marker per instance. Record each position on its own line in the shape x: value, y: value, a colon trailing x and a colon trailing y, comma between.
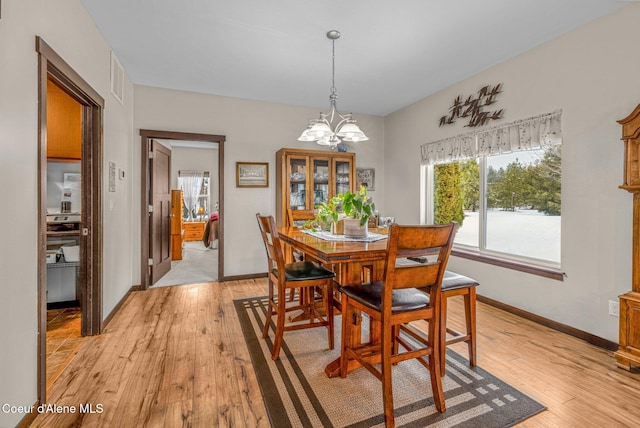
x: 628, y: 354
x: 307, y: 178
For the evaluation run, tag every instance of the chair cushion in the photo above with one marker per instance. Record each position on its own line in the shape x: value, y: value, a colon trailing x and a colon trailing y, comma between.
x: 451, y: 280
x: 304, y: 271
x: 370, y: 295
x: 454, y: 281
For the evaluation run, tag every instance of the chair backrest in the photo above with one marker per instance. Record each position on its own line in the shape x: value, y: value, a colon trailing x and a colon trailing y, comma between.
x: 299, y: 215
x: 432, y: 242
x: 269, y: 232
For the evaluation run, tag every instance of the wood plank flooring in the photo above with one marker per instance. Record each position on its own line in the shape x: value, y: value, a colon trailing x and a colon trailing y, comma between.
x: 63, y: 340
x: 175, y: 357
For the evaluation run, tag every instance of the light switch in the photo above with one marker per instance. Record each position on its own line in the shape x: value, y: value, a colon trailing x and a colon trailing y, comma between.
x: 111, y: 203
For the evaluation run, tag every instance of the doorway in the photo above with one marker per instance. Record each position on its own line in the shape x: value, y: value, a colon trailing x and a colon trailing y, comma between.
x: 88, y: 268
x: 195, y: 213
x: 217, y: 188
x: 63, y: 178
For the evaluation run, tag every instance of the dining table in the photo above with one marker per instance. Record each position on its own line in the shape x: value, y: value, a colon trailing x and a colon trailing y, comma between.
x: 354, y: 262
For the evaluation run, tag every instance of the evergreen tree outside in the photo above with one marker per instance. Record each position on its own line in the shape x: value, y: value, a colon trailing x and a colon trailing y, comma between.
x: 508, y: 188
x: 470, y: 184
x: 448, y: 195
x: 546, y: 177
x: 536, y: 186
x: 493, y: 177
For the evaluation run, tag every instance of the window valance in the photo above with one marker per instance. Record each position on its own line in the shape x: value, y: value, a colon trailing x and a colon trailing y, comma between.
x: 532, y: 133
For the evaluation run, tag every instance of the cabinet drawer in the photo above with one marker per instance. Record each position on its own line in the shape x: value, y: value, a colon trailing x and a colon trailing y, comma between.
x: 194, y: 226
x: 193, y: 231
x: 192, y: 236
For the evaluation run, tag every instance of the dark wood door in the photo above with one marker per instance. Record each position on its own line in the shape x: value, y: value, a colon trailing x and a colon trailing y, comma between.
x: 160, y: 215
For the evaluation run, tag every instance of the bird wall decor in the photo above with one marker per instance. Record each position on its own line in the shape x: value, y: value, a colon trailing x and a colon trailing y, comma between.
x: 473, y: 107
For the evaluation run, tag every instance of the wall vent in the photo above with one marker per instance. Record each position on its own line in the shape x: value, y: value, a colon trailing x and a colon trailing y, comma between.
x: 117, y: 78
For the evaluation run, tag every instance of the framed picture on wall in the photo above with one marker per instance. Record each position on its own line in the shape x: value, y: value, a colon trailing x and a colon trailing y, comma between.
x: 252, y: 174
x: 365, y: 177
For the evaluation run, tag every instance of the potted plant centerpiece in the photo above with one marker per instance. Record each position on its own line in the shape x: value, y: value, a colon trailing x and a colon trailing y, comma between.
x: 357, y: 207
x: 347, y: 213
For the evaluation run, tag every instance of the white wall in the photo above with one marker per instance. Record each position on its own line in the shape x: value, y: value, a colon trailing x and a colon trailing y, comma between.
x: 591, y: 74
x: 254, y: 132
x: 55, y: 183
x: 67, y: 28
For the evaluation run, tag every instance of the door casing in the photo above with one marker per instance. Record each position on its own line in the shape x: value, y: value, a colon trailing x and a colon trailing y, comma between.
x: 50, y: 64
x: 146, y: 135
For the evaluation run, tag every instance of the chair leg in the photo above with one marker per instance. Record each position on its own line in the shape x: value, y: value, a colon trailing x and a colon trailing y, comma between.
x: 395, y: 333
x: 435, y: 342
x: 328, y: 298
x: 443, y: 335
x: 309, y: 302
x: 346, y: 335
x: 436, y: 381
x: 270, y: 303
x: 290, y: 258
x: 277, y: 341
x: 387, y: 389
x: 470, y: 315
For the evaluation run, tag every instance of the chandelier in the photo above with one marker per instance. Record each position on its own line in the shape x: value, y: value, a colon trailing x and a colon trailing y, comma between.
x: 322, y: 130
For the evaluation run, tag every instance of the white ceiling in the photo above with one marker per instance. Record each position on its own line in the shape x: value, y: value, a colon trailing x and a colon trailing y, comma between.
x: 391, y: 53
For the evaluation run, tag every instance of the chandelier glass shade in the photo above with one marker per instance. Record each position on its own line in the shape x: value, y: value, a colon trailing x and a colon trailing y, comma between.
x: 322, y: 130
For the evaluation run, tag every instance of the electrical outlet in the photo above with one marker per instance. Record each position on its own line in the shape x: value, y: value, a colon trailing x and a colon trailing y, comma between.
x: 614, y: 308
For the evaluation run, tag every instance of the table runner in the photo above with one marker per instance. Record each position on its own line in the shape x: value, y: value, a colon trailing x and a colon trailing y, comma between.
x: 328, y: 236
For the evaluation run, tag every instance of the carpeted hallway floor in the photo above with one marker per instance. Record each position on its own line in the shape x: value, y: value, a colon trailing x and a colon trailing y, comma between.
x: 198, y: 264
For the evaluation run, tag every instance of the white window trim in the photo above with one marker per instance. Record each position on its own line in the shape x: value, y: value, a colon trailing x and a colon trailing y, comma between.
x: 427, y: 209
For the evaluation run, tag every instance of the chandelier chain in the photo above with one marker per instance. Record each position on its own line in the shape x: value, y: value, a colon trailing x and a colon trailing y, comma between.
x: 333, y: 66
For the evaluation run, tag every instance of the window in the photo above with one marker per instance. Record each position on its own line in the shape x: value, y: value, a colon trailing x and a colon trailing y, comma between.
x: 195, y: 193
x: 507, y: 202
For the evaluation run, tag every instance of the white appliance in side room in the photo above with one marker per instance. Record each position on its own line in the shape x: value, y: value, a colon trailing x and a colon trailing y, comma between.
x: 63, y: 258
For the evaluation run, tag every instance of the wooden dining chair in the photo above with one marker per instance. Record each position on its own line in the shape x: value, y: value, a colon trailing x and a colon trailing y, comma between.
x: 395, y: 301
x: 296, y: 217
x: 297, y: 275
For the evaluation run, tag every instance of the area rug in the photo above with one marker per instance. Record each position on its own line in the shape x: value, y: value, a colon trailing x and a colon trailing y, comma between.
x: 297, y: 393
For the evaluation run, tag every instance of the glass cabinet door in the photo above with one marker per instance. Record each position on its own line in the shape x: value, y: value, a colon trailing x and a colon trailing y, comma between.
x: 297, y: 172
x: 320, y: 181
x: 343, y: 178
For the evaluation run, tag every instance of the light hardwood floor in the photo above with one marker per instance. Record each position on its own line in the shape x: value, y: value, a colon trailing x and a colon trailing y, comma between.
x: 63, y: 340
x: 175, y: 356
